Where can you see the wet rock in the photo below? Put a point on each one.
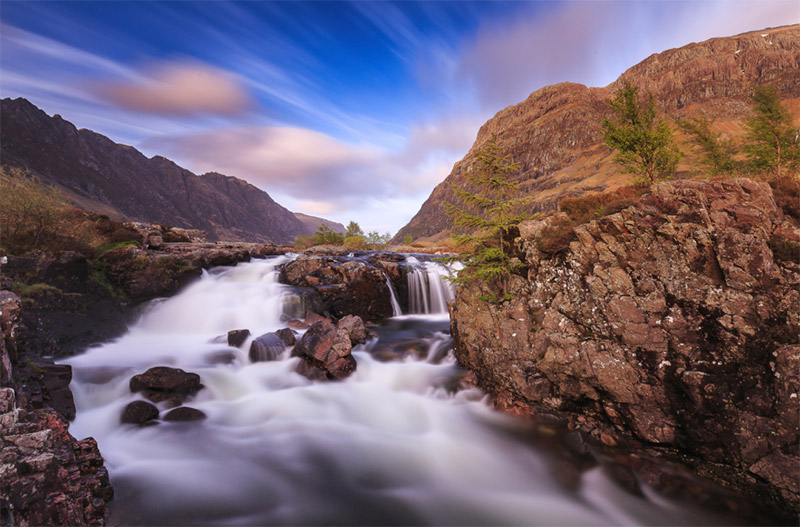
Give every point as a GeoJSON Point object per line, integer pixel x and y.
{"type": "Point", "coordinates": [301, 300]}
{"type": "Point", "coordinates": [162, 383]}
{"type": "Point", "coordinates": [221, 357]}
{"type": "Point", "coordinates": [325, 349]}
{"type": "Point", "coordinates": [668, 323]}
{"type": "Point", "coordinates": [54, 380]}
{"type": "Point", "coordinates": [287, 336]}
{"type": "Point", "coordinates": [138, 412]}
{"type": "Point", "coordinates": [267, 347]}
{"type": "Point", "coordinates": [346, 287]}
{"type": "Point", "coordinates": [355, 329]}
{"type": "Point", "coordinates": [185, 413]}
{"type": "Point", "coordinates": [236, 337]}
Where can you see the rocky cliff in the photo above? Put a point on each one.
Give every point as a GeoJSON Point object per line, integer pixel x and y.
{"type": "Point", "coordinates": [673, 324]}
{"type": "Point", "coordinates": [47, 477]}
{"type": "Point", "coordinates": [555, 134]}
{"type": "Point", "coordinates": [117, 180]}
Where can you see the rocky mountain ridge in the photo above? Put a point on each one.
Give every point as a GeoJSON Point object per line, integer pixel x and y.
{"type": "Point", "coordinates": [556, 137]}
{"type": "Point", "coordinates": [102, 176]}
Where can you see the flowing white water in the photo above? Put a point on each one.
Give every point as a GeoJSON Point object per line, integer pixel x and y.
{"type": "Point", "coordinates": [388, 446]}
{"type": "Point", "coordinates": [429, 291]}
{"type": "Point", "coordinates": [396, 309]}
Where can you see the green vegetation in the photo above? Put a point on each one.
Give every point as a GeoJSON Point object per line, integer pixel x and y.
{"type": "Point", "coordinates": [32, 214]}
{"type": "Point", "coordinates": [353, 229]}
{"type": "Point", "coordinates": [408, 239]}
{"type": "Point", "coordinates": [24, 290]}
{"type": "Point", "coordinates": [771, 143]}
{"type": "Point", "coordinates": [491, 207]}
{"type": "Point", "coordinates": [355, 243]}
{"type": "Point", "coordinates": [716, 154]}
{"type": "Point", "coordinates": [643, 141]}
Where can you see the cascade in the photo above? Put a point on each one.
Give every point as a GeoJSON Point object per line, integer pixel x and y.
{"type": "Point", "coordinates": [429, 289]}
{"type": "Point", "coordinates": [398, 442]}
{"type": "Point", "coordinates": [396, 310]}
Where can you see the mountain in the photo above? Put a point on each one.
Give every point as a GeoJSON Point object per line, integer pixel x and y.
{"type": "Point", "coordinates": [556, 137]}
{"type": "Point", "coordinates": [312, 223]}
{"type": "Point", "coordinates": [118, 180]}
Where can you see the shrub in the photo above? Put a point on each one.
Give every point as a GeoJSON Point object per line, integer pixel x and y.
{"type": "Point", "coordinates": [355, 243]}
{"type": "Point", "coordinates": [583, 209]}
{"type": "Point", "coordinates": [784, 250]}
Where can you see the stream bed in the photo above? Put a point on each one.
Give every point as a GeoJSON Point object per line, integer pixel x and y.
{"type": "Point", "coordinates": [400, 442]}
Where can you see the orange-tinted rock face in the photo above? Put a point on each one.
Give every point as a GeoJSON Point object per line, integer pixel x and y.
{"type": "Point", "coordinates": [556, 136]}
{"type": "Point", "coordinates": [671, 323]}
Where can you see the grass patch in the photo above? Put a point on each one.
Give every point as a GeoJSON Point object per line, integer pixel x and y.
{"type": "Point", "coordinates": [111, 246]}
{"type": "Point", "coordinates": [32, 291]}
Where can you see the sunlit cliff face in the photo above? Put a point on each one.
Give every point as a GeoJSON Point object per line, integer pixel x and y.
{"type": "Point", "coordinates": [366, 105]}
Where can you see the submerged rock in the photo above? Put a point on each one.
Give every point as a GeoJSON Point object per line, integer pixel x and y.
{"type": "Point", "coordinates": [162, 383]}
{"type": "Point", "coordinates": [325, 352]}
{"type": "Point", "coordinates": [138, 413]}
{"type": "Point", "coordinates": [669, 323]}
{"type": "Point", "coordinates": [185, 413]}
{"type": "Point", "coordinates": [267, 347]}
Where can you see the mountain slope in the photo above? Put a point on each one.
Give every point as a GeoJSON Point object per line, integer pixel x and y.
{"type": "Point", "coordinates": [556, 136]}
{"type": "Point", "coordinates": [312, 223]}
{"type": "Point", "coordinates": [103, 176]}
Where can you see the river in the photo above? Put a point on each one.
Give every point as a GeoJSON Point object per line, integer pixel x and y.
{"type": "Point", "coordinates": [397, 443]}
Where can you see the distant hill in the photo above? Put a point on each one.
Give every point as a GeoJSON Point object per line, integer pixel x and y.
{"type": "Point", "coordinates": [556, 137]}
{"type": "Point", "coordinates": [312, 223]}
{"type": "Point", "coordinates": [118, 180]}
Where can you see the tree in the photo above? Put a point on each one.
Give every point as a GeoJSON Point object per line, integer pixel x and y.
{"type": "Point", "coordinates": [716, 154]}
{"type": "Point", "coordinates": [29, 209]}
{"type": "Point", "coordinates": [643, 142]}
{"type": "Point", "coordinates": [491, 208]}
{"type": "Point", "coordinates": [326, 235]}
{"type": "Point", "coordinates": [771, 140]}
{"type": "Point", "coordinates": [353, 229]}
{"type": "Point", "coordinates": [376, 240]}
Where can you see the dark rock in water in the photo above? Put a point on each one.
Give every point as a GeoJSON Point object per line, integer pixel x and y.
{"type": "Point", "coordinates": [267, 347]}
{"type": "Point", "coordinates": [220, 357]}
{"type": "Point", "coordinates": [162, 383]}
{"type": "Point", "coordinates": [311, 318]}
{"type": "Point", "coordinates": [326, 348]}
{"type": "Point", "coordinates": [185, 413]}
{"type": "Point", "coordinates": [139, 412]}
{"type": "Point", "coordinates": [287, 336]}
{"type": "Point", "coordinates": [298, 324]}
{"type": "Point", "coordinates": [219, 339]}
{"type": "Point", "coordinates": [236, 337]}
{"type": "Point", "coordinates": [355, 328]}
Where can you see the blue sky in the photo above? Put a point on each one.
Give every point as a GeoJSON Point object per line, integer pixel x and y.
{"type": "Point", "coordinates": [348, 110]}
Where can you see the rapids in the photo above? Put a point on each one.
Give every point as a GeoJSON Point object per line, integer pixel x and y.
{"type": "Point", "coordinates": [395, 444]}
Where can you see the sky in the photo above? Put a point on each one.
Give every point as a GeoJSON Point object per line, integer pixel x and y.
{"type": "Point", "coordinates": [346, 110]}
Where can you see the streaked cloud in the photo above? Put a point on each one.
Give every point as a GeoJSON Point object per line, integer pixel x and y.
{"type": "Point", "coordinates": [179, 89]}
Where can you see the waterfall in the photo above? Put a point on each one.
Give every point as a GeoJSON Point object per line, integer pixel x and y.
{"type": "Point", "coordinates": [429, 289]}
{"type": "Point", "coordinates": [396, 310]}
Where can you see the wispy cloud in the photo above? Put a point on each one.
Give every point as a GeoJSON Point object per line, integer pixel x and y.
{"type": "Point", "coordinates": [179, 89]}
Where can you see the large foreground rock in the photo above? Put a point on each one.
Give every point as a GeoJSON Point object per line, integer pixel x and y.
{"type": "Point", "coordinates": [325, 352]}
{"type": "Point", "coordinates": [670, 323]}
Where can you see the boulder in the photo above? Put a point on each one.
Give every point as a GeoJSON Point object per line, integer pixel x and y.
{"type": "Point", "coordinates": [287, 336]}
{"type": "Point", "coordinates": [162, 383]}
{"type": "Point", "coordinates": [267, 347]}
{"type": "Point", "coordinates": [138, 413]}
{"type": "Point", "coordinates": [184, 413]}
{"type": "Point", "coordinates": [236, 337]}
{"type": "Point", "coordinates": [324, 349]}
{"type": "Point", "coordinates": [346, 287]}
{"type": "Point", "coordinates": [153, 240]}
{"type": "Point", "coordinates": [355, 329]}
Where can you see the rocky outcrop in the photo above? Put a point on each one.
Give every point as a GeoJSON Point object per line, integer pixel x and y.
{"type": "Point", "coordinates": [556, 137]}
{"type": "Point", "coordinates": [47, 477]}
{"type": "Point", "coordinates": [119, 181]}
{"type": "Point", "coordinates": [670, 324]}
{"type": "Point", "coordinates": [346, 287]}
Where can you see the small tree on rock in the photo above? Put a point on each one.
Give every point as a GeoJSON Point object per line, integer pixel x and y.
{"type": "Point", "coordinates": [491, 207]}
{"type": "Point", "coordinates": [772, 142]}
{"type": "Point", "coordinates": [353, 229]}
{"type": "Point", "coordinates": [643, 141]}
{"type": "Point", "coordinates": [716, 153]}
